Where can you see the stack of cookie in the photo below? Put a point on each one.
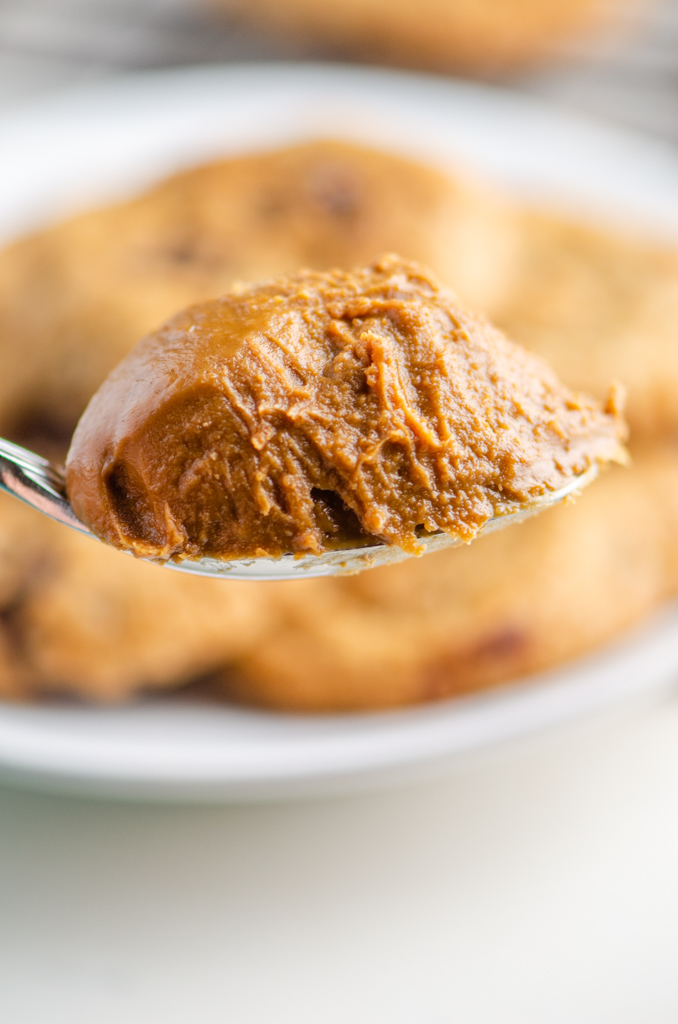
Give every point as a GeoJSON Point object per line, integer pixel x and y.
{"type": "Point", "coordinates": [77, 617]}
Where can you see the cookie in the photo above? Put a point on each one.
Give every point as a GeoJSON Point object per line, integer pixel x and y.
{"type": "Point", "coordinates": [472, 36]}
{"type": "Point", "coordinates": [97, 625]}
{"type": "Point", "coordinates": [598, 304]}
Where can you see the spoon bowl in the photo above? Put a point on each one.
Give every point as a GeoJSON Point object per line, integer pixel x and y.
{"type": "Point", "coordinates": [41, 484]}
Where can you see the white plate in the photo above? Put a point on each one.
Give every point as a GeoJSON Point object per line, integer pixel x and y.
{"type": "Point", "coordinates": [106, 141]}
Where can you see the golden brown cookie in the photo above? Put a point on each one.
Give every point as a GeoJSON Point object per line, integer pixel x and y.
{"type": "Point", "coordinates": [97, 624]}
{"type": "Point", "coordinates": [474, 36]}
{"type": "Point", "coordinates": [76, 297]}
{"type": "Point", "coordinates": [13, 685]}
{"type": "Point", "coordinates": [598, 304]}
{"type": "Point", "coordinates": [514, 603]}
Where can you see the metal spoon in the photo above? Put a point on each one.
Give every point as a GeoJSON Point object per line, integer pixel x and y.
{"type": "Point", "coordinates": [41, 484]}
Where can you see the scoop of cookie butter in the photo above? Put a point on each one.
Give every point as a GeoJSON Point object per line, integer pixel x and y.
{"type": "Point", "coordinates": [325, 410]}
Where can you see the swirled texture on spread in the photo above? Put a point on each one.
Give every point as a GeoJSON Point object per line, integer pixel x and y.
{"type": "Point", "coordinates": [323, 409]}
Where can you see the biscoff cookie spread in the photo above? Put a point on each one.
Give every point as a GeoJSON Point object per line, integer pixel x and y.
{"type": "Point", "coordinates": [324, 410]}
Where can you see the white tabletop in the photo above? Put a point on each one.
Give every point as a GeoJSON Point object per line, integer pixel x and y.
{"type": "Point", "coordinates": [539, 885]}
{"type": "Point", "coordinates": [536, 887]}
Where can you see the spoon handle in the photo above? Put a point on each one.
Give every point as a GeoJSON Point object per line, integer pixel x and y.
{"type": "Point", "coordinates": [37, 482]}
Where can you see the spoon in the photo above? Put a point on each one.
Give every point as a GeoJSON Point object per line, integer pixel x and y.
{"type": "Point", "coordinates": [41, 484]}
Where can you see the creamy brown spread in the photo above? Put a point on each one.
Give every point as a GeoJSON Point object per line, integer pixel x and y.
{"type": "Point", "coordinates": [322, 410]}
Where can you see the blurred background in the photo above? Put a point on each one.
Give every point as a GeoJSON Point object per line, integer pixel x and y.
{"type": "Point", "coordinates": [538, 886]}
{"type": "Point", "coordinates": [616, 58]}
